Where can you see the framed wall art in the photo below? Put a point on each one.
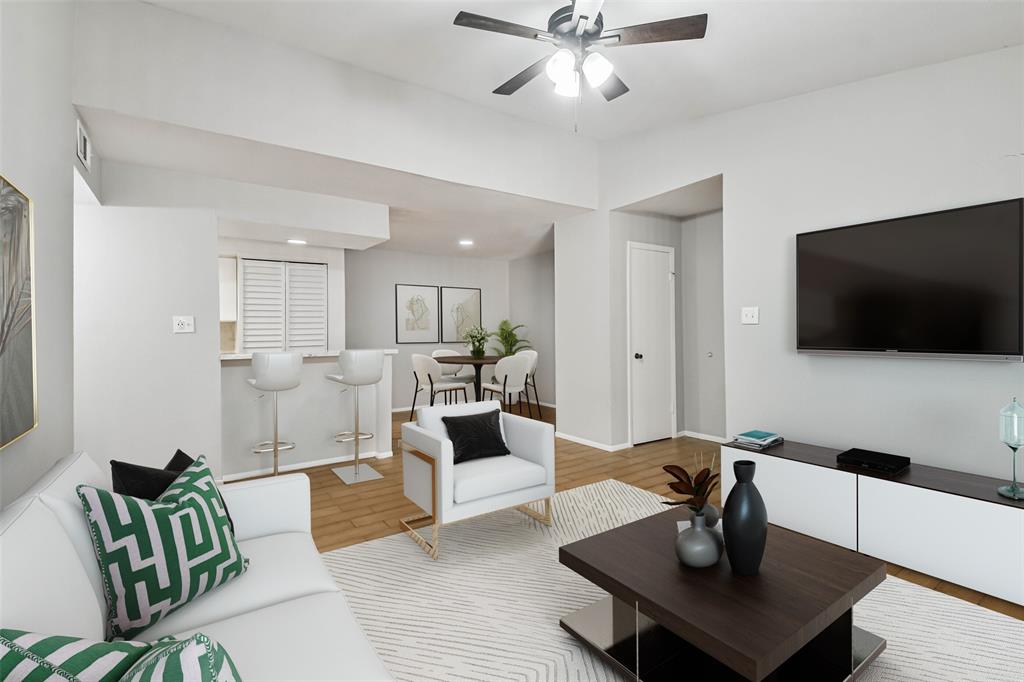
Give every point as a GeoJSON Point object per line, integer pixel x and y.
{"type": "Point", "coordinates": [19, 408]}
{"type": "Point", "coordinates": [416, 319]}
{"type": "Point", "coordinates": [460, 309]}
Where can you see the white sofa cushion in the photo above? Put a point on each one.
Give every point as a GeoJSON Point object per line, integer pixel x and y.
{"type": "Point", "coordinates": [281, 567]}
{"type": "Point", "coordinates": [43, 586]}
{"type": "Point", "coordinates": [56, 488]}
{"type": "Point", "coordinates": [491, 476]}
{"type": "Point", "coordinates": [312, 638]}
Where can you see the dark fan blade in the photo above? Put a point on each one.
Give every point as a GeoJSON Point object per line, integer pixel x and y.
{"type": "Point", "coordinates": [522, 78]}
{"type": "Point", "coordinates": [613, 87]}
{"type": "Point", "coordinates": [470, 20]}
{"type": "Point", "coordinates": [683, 28]}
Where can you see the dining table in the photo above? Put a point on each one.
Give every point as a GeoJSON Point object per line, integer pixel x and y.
{"type": "Point", "coordinates": [477, 363]}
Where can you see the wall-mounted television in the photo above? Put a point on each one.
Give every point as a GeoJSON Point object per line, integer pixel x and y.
{"type": "Point", "coordinates": [943, 284]}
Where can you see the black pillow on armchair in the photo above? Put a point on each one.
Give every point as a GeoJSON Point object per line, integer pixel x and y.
{"type": "Point", "coordinates": [148, 483]}
{"type": "Point", "coordinates": [475, 436]}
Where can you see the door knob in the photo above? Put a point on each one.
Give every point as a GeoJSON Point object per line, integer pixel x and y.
{"type": "Point", "coordinates": [638, 356]}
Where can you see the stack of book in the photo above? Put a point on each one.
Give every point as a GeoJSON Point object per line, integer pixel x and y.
{"type": "Point", "coordinates": [759, 440]}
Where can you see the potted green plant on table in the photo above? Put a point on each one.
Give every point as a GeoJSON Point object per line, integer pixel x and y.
{"type": "Point", "coordinates": [476, 338]}
{"type": "Point", "coordinates": [509, 339]}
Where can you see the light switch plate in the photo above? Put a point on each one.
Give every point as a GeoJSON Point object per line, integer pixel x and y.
{"type": "Point", "coordinates": [750, 315]}
{"type": "Point", "coordinates": [184, 324]}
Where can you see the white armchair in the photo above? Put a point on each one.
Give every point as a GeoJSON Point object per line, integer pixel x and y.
{"type": "Point", "coordinates": [447, 492]}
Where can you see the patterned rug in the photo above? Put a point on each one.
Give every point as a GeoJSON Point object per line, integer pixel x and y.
{"type": "Point", "coordinates": [488, 608]}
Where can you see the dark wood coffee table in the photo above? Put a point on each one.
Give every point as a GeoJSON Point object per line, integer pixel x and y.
{"type": "Point", "coordinates": [793, 621]}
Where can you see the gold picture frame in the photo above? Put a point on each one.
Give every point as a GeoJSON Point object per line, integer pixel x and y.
{"type": "Point", "coordinates": [19, 400]}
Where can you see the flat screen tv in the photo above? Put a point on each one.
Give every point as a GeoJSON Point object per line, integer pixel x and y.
{"type": "Point", "coordinates": [944, 284]}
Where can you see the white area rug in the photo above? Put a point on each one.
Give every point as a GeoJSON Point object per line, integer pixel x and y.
{"type": "Point", "coordinates": [488, 609]}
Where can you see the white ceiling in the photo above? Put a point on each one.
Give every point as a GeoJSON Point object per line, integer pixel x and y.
{"type": "Point", "coordinates": [755, 51]}
{"type": "Point", "coordinates": [699, 197]}
{"type": "Point", "coordinates": [427, 215]}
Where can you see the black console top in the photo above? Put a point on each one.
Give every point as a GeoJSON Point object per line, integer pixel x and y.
{"type": "Point", "coordinates": [919, 475]}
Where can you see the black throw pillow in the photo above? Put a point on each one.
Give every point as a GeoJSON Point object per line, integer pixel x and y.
{"type": "Point", "coordinates": [148, 483]}
{"type": "Point", "coordinates": [475, 436]}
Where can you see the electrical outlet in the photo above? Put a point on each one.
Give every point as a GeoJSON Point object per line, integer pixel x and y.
{"type": "Point", "coordinates": [184, 324]}
{"type": "Point", "coordinates": [750, 315]}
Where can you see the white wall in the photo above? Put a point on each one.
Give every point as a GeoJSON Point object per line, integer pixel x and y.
{"type": "Point", "coordinates": [141, 391]}
{"type": "Point", "coordinates": [152, 63]}
{"type": "Point", "coordinates": [939, 136]}
{"type": "Point", "coordinates": [582, 326]}
{"type": "Point", "coordinates": [334, 258]}
{"type": "Point", "coordinates": [700, 292]}
{"type": "Point", "coordinates": [370, 278]}
{"type": "Point", "coordinates": [531, 301]}
{"type": "Point", "coordinates": [37, 143]}
{"type": "Point", "coordinates": [261, 212]}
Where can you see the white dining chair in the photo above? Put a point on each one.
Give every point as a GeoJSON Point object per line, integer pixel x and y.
{"type": "Point", "coordinates": [531, 376]}
{"type": "Point", "coordinates": [509, 380]}
{"type": "Point", "coordinates": [426, 372]}
{"type": "Point", "coordinates": [452, 372]}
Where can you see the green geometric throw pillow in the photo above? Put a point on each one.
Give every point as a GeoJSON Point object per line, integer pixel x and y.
{"type": "Point", "coordinates": [25, 657]}
{"type": "Point", "coordinates": [196, 659]}
{"type": "Point", "coordinates": [157, 556]}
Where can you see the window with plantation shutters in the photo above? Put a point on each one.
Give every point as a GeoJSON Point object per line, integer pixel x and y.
{"type": "Point", "coordinates": [284, 306]}
{"type": "Point", "coordinates": [306, 306]}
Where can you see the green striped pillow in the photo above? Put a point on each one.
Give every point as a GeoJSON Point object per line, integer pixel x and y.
{"type": "Point", "coordinates": [196, 659]}
{"type": "Point", "coordinates": [156, 557]}
{"type": "Point", "coordinates": [25, 656]}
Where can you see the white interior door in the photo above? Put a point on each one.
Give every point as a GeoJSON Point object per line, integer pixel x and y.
{"type": "Point", "coordinates": [651, 347]}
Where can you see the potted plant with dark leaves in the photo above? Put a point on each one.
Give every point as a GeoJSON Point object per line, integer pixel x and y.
{"type": "Point", "coordinates": [700, 545]}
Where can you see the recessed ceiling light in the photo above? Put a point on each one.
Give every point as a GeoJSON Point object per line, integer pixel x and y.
{"type": "Point", "coordinates": [297, 242]}
{"type": "Point", "coordinates": [465, 242]}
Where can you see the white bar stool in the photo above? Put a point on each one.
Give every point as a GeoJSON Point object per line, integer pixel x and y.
{"type": "Point", "coordinates": [358, 368]}
{"type": "Point", "coordinates": [275, 372]}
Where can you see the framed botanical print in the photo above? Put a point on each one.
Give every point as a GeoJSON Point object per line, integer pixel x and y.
{"type": "Point", "coordinates": [460, 310]}
{"type": "Point", "coordinates": [416, 318]}
{"type": "Point", "coordinates": [19, 410]}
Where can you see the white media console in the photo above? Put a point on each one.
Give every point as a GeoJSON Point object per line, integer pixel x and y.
{"type": "Point", "coordinates": [947, 524]}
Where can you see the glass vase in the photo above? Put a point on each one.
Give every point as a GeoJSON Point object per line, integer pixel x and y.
{"type": "Point", "coordinates": [1011, 432]}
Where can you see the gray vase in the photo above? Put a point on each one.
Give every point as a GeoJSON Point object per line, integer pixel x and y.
{"type": "Point", "coordinates": [699, 546]}
{"type": "Point", "coordinates": [711, 515]}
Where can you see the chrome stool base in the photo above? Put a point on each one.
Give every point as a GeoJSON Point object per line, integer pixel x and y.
{"type": "Point", "coordinates": [351, 476]}
{"type": "Point", "coordinates": [349, 436]}
{"type": "Point", "coordinates": [268, 446]}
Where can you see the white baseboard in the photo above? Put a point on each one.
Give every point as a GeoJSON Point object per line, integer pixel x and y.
{"type": "Point", "coordinates": [298, 466]}
{"type": "Point", "coordinates": [591, 443]}
{"type": "Point", "coordinates": [703, 436]}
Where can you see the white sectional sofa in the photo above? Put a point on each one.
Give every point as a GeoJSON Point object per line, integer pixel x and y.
{"type": "Point", "coordinates": [284, 619]}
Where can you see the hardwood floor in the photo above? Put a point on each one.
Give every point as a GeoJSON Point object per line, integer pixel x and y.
{"type": "Point", "coordinates": [345, 515]}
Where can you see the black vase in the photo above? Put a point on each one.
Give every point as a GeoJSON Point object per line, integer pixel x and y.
{"type": "Point", "coordinates": [744, 522]}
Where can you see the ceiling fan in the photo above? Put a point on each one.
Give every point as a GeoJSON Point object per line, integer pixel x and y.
{"type": "Point", "coordinates": [576, 30]}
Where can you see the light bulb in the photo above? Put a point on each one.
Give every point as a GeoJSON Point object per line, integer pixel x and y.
{"type": "Point", "coordinates": [560, 66]}
{"type": "Point", "coordinates": [569, 87]}
{"type": "Point", "coordinates": [597, 69]}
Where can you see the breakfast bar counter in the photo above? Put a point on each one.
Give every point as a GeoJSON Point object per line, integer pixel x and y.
{"type": "Point", "coordinates": [309, 415]}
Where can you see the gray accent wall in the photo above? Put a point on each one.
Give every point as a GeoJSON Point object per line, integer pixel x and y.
{"type": "Point", "coordinates": [37, 149]}
{"type": "Point", "coordinates": [370, 278]}
{"type": "Point", "coordinates": [702, 350]}
{"type": "Point", "coordinates": [531, 301]}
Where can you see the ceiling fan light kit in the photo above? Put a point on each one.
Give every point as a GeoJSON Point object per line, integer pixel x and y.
{"type": "Point", "coordinates": [575, 33]}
